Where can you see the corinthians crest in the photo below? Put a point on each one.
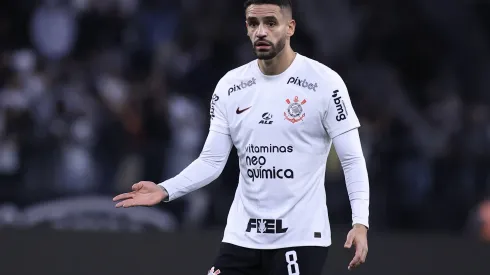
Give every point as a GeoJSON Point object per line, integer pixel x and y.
{"type": "Point", "coordinates": [294, 113]}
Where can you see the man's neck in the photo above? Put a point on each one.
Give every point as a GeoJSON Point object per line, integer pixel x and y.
{"type": "Point", "coordinates": [278, 64]}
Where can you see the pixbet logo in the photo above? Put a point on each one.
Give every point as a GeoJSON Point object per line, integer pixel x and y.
{"type": "Point", "coordinates": [266, 226]}
{"type": "Point", "coordinates": [340, 106]}
{"type": "Point", "coordinates": [302, 83]}
{"type": "Point", "coordinates": [242, 86]}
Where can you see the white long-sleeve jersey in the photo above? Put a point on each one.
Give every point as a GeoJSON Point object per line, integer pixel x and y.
{"type": "Point", "coordinates": [283, 127]}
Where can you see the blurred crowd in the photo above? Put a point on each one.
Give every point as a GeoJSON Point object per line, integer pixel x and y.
{"type": "Point", "coordinates": [98, 94]}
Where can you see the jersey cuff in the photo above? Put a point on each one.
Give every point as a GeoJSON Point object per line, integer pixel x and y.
{"type": "Point", "coordinates": [165, 190]}
{"type": "Point", "coordinates": [170, 191]}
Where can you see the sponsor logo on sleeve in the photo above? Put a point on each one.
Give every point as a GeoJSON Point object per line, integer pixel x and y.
{"type": "Point", "coordinates": [214, 99]}
{"type": "Point", "coordinates": [340, 106]}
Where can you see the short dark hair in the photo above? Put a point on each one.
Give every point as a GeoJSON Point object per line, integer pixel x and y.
{"type": "Point", "coordinates": [281, 3]}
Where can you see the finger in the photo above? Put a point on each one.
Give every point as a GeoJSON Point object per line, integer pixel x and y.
{"type": "Point", "coordinates": [348, 242]}
{"type": "Point", "coordinates": [137, 186]}
{"type": "Point", "coordinates": [120, 204]}
{"type": "Point", "coordinates": [359, 250]}
{"type": "Point", "coordinates": [355, 261]}
{"type": "Point", "coordinates": [364, 254]}
{"type": "Point", "coordinates": [359, 258]}
{"type": "Point", "coordinates": [123, 196]}
{"type": "Point", "coordinates": [126, 203]}
{"type": "Point", "coordinates": [353, 266]}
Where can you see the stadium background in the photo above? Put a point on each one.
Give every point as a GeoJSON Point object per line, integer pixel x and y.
{"type": "Point", "coordinates": [98, 94]}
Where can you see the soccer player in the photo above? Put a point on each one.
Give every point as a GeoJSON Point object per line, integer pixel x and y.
{"type": "Point", "coordinates": [282, 112]}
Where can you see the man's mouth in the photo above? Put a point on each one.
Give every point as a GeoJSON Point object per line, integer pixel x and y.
{"type": "Point", "coordinates": [262, 45]}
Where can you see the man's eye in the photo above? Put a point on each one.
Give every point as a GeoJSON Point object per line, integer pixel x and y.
{"type": "Point", "coordinates": [271, 24]}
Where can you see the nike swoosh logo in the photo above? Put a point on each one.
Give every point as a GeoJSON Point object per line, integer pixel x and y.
{"type": "Point", "coordinates": [238, 111]}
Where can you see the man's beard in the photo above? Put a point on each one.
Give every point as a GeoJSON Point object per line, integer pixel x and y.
{"type": "Point", "coordinates": [272, 52]}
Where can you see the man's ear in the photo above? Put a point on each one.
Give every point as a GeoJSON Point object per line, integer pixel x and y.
{"type": "Point", "coordinates": [291, 27]}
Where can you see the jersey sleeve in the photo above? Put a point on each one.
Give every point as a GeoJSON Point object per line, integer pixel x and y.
{"type": "Point", "coordinates": [217, 111]}
{"type": "Point", "coordinates": [349, 150]}
{"type": "Point", "coordinates": [339, 114]}
{"type": "Point", "coordinates": [202, 171]}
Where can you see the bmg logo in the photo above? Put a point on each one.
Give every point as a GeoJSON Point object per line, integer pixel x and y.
{"type": "Point", "coordinates": [340, 106]}
{"type": "Point", "coordinates": [266, 226]}
{"type": "Point", "coordinates": [213, 105]}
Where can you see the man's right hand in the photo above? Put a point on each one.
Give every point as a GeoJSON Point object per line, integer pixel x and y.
{"type": "Point", "coordinates": [145, 193]}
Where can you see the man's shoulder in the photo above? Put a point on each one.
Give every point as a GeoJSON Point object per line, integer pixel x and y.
{"type": "Point", "coordinates": [318, 77]}
{"type": "Point", "coordinates": [239, 73]}
{"type": "Point", "coordinates": [320, 70]}
{"type": "Point", "coordinates": [243, 75]}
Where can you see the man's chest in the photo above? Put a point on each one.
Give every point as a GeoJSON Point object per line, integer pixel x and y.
{"type": "Point", "coordinates": [275, 111]}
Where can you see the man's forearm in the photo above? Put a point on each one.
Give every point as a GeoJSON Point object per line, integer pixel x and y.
{"type": "Point", "coordinates": [203, 170]}
{"type": "Point", "coordinates": [349, 149]}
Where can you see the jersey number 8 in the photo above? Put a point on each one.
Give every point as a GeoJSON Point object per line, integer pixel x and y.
{"type": "Point", "coordinates": [292, 260]}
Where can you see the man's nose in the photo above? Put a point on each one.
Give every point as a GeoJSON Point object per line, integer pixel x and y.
{"type": "Point", "coordinates": [261, 32]}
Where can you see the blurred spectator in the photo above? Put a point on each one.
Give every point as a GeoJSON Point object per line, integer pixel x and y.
{"type": "Point", "coordinates": [484, 212]}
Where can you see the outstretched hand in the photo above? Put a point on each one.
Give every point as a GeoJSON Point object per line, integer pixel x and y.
{"type": "Point", "coordinates": [358, 237]}
{"type": "Point", "coordinates": [145, 193]}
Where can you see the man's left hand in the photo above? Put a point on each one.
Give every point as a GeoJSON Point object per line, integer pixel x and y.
{"type": "Point", "coordinates": [358, 237]}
